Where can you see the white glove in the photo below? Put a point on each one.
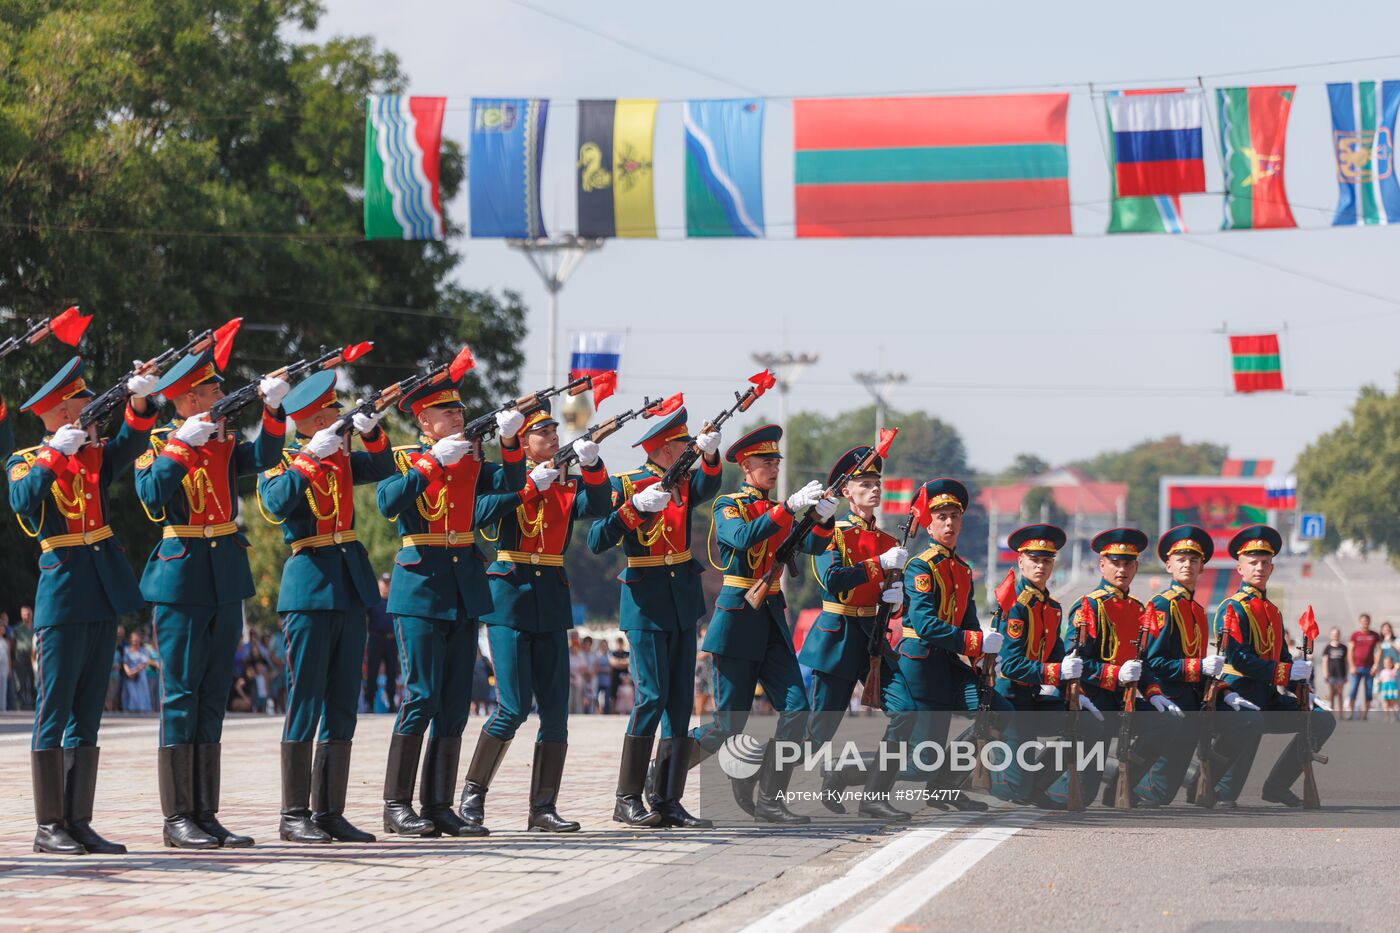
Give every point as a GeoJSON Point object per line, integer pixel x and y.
{"type": "Point", "coordinates": [1301, 670]}
{"type": "Point", "coordinates": [67, 439]}
{"type": "Point", "coordinates": [141, 386]}
{"type": "Point", "coordinates": [708, 442]}
{"type": "Point", "coordinates": [196, 431]}
{"type": "Point", "coordinates": [324, 443]}
{"type": "Point", "coordinates": [1046, 690]}
{"type": "Point", "coordinates": [991, 642]}
{"type": "Point", "coordinates": [824, 509]}
{"type": "Point", "coordinates": [1212, 665]}
{"type": "Point", "coordinates": [894, 595]}
{"type": "Point", "coordinates": [1088, 706]}
{"type": "Point", "coordinates": [365, 424]}
{"type": "Point", "coordinates": [806, 496]}
{"type": "Point", "coordinates": [651, 499]}
{"type": "Point", "coordinates": [587, 451]}
{"type": "Point", "coordinates": [508, 423]}
{"type": "Point", "coordinates": [1072, 667]}
{"type": "Point", "coordinates": [273, 390]}
{"type": "Point", "coordinates": [1162, 705]}
{"type": "Point", "coordinates": [1130, 672]}
{"type": "Point", "coordinates": [451, 449]}
{"type": "Point", "coordinates": [1237, 702]}
{"type": "Point", "coordinates": [894, 558]}
{"type": "Point", "coordinates": [543, 476]}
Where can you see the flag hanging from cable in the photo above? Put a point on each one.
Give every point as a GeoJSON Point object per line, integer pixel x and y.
{"type": "Point", "coordinates": [724, 168]}
{"type": "Point", "coordinates": [1157, 143]}
{"type": "Point", "coordinates": [595, 352]}
{"type": "Point", "coordinates": [403, 155]}
{"type": "Point", "coordinates": [614, 168]}
{"type": "Point", "coordinates": [1253, 126]}
{"type": "Point", "coordinates": [1233, 467]}
{"type": "Point", "coordinates": [1254, 363]}
{"type": "Point", "coordinates": [1158, 214]}
{"type": "Point", "coordinates": [1363, 143]}
{"type": "Point", "coordinates": [507, 145]}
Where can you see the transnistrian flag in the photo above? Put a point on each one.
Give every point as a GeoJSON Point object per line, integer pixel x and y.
{"type": "Point", "coordinates": [1363, 142]}
{"type": "Point", "coordinates": [403, 152]}
{"type": "Point", "coordinates": [595, 352]}
{"type": "Point", "coordinates": [1232, 467]}
{"type": "Point", "coordinates": [507, 144]}
{"type": "Point", "coordinates": [1253, 124]}
{"type": "Point", "coordinates": [1157, 143]}
{"type": "Point", "coordinates": [724, 168]}
{"type": "Point", "coordinates": [1254, 360]}
{"type": "Point", "coordinates": [896, 493]}
{"type": "Point", "coordinates": [1159, 214]}
{"type": "Point", "coordinates": [932, 166]}
{"type": "Point", "coordinates": [614, 168]}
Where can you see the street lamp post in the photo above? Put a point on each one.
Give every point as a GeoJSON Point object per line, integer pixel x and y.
{"type": "Point", "coordinates": [555, 260]}
{"type": "Point", "coordinates": [881, 387]}
{"type": "Point", "coordinates": [786, 367]}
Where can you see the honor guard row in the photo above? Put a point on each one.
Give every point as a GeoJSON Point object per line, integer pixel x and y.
{"type": "Point", "coordinates": [906, 626]}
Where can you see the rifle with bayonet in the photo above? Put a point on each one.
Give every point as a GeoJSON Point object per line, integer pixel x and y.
{"type": "Point", "coordinates": [232, 404]}
{"type": "Point", "coordinates": [67, 327]}
{"type": "Point", "coordinates": [600, 431]}
{"type": "Point", "coordinates": [450, 373]}
{"type": "Point", "coordinates": [1205, 745]}
{"type": "Point", "coordinates": [1302, 689]}
{"type": "Point", "coordinates": [1123, 791]}
{"type": "Point", "coordinates": [875, 648]}
{"type": "Point", "coordinates": [678, 471]}
{"type": "Point", "coordinates": [1074, 791]}
{"type": "Point", "coordinates": [986, 686]}
{"type": "Point", "coordinates": [483, 426]}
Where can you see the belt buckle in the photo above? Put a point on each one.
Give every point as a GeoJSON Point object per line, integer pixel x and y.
{"type": "Point", "coordinates": [668, 559]}
{"type": "Point", "coordinates": [337, 537]}
{"type": "Point", "coordinates": [87, 537]}
{"type": "Point", "coordinates": [534, 558]}
{"type": "Point", "coordinates": [208, 531]}
{"type": "Point", "coordinates": [452, 537]}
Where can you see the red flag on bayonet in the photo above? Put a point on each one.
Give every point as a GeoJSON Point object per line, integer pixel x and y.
{"type": "Point", "coordinates": [919, 507]}
{"type": "Point", "coordinates": [1232, 624]}
{"type": "Point", "coordinates": [353, 352]}
{"type": "Point", "coordinates": [666, 406]}
{"type": "Point", "coordinates": [68, 327]}
{"type": "Point", "coordinates": [1150, 620]}
{"type": "Point", "coordinates": [603, 385]}
{"type": "Point", "coordinates": [1308, 623]}
{"type": "Point", "coordinates": [763, 382]}
{"type": "Point", "coordinates": [1006, 592]}
{"type": "Point", "coordinates": [1088, 617]}
{"type": "Point", "coordinates": [223, 341]}
{"type": "Point", "coordinates": [460, 364]}
{"type": "Point", "coordinates": [882, 447]}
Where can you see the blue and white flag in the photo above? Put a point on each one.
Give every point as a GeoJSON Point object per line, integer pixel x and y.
{"type": "Point", "coordinates": [1363, 143]}
{"type": "Point", "coordinates": [503, 170]}
{"type": "Point", "coordinates": [595, 352]}
{"type": "Point", "coordinates": [724, 168]}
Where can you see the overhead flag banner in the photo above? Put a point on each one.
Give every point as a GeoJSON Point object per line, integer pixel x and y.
{"type": "Point", "coordinates": [1255, 364]}
{"type": "Point", "coordinates": [1159, 214]}
{"type": "Point", "coordinates": [1253, 125]}
{"type": "Point", "coordinates": [403, 154]}
{"type": "Point", "coordinates": [896, 495]}
{"type": "Point", "coordinates": [1363, 143]}
{"type": "Point", "coordinates": [1157, 143]}
{"type": "Point", "coordinates": [595, 352]}
{"type": "Point", "coordinates": [724, 168]}
{"type": "Point", "coordinates": [614, 168]}
{"type": "Point", "coordinates": [932, 166]}
{"type": "Point", "coordinates": [507, 144]}
{"type": "Point", "coordinates": [1233, 467]}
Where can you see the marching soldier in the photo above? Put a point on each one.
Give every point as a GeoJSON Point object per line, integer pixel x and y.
{"type": "Point", "coordinates": [529, 627]}
{"type": "Point", "coordinates": [1113, 672]}
{"type": "Point", "coordinates": [1034, 667]}
{"type": "Point", "coordinates": [754, 646]}
{"type": "Point", "coordinates": [327, 583]}
{"type": "Point", "coordinates": [940, 623]}
{"type": "Point", "coordinates": [441, 492]}
{"type": "Point", "coordinates": [852, 575]}
{"type": "Point", "coordinates": [1259, 667]}
{"type": "Point", "coordinates": [1179, 656]}
{"type": "Point", "coordinates": [661, 603]}
{"type": "Point", "coordinates": [58, 492]}
{"type": "Point", "coordinates": [197, 579]}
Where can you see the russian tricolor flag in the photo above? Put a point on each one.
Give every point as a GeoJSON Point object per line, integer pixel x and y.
{"type": "Point", "coordinates": [595, 352]}
{"type": "Point", "coordinates": [1157, 143]}
{"type": "Point", "coordinates": [1282, 492]}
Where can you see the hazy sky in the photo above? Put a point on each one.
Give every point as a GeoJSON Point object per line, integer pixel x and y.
{"type": "Point", "coordinates": [1062, 346]}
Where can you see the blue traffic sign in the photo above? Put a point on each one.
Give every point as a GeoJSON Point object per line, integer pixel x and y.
{"type": "Point", "coordinates": [1312, 526]}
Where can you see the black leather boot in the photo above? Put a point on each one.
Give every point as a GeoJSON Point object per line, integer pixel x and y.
{"type": "Point", "coordinates": [657, 769]}
{"type": "Point", "coordinates": [175, 765]}
{"type": "Point", "coordinates": [79, 790]}
{"type": "Point", "coordinates": [296, 824]}
{"type": "Point", "coordinates": [875, 795]}
{"type": "Point", "coordinates": [631, 775]}
{"type": "Point", "coordinates": [207, 778]}
{"type": "Point", "coordinates": [399, 775]}
{"type": "Point", "coordinates": [437, 787]}
{"type": "Point", "coordinates": [330, 777]}
{"type": "Point", "coordinates": [545, 776]}
{"type": "Point", "coordinates": [684, 754]}
{"type": "Point", "coordinates": [46, 773]}
{"type": "Point", "coordinates": [486, 761]}
{"type": "Point", "coordinates": [768, 805]}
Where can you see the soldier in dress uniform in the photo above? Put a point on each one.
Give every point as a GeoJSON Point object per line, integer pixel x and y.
{"type": "Point", "coordinates": [940, 624]}
{"type": "Point", "coordinates": [529, 627]}
{"type": "Point", "coordinates": [197, 579]}
{"type": "Point", "coordinates": [1180, 657]}
{"type": "Point", "coordinates": [58, 492]}
{"type": "Point", "coordinates": [852, 575]}
{"type": "Point", "coordinates": [661, 603]}
{"type": "Point", "coordinates": [754, 646]}
{"type": "Point", "coordinates": [1260, 668]}
{"type": "Point", "coordinates": [1113, 672]}
{"type": "Point", "coordinates": [442, 492]}
{"type": "Point", "coordinates": [327, 583]}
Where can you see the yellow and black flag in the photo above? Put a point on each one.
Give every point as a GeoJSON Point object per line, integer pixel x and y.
{"type": "Point", "coordinates": [614, 168]}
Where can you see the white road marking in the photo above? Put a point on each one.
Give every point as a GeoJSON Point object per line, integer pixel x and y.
{"type": "Point", "coordinates": [913, 894]}
{"type": "Point", "coordinates": [870, 870]}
